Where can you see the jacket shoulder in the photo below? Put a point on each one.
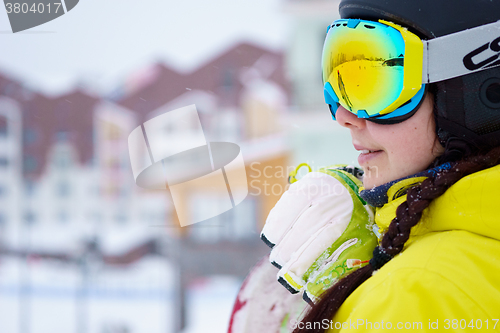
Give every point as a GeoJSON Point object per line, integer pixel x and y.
{"type": "Point", "coordinates": [445, 275]}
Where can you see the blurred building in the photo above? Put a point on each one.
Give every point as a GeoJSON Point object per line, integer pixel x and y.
{"type": "Point", "coordinates": [241, 97]}
{"type": "Point", "coordinates": [10, 165]}
{"type": "Point", "coordinates": [71, 212]}
{"type": "Point", "coordinates": [310, 19]}
{"type": "Point", "coordinates": [75, 172]}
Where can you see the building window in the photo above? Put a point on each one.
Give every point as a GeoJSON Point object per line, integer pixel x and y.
{"type": "Point", "coordinates": [228, 77]}
{"type": "Point", "coordinates": [3, 191]}
{"type": "Point", "coordinates": [121, 218]}
{"type": "Point", "coordinates": [63, 189]}
{"type": "Point", "coordinates": [29, 136]}
{"type": "Point", "coordinates": [238, 223]}
{"type": "Point", "coordinates": [29, 218]}
{"type": "Point", "coordinates": [29, 187]}
{"type": "Point", "coordinates": [3, 126]}
{"type": "Point", "coordinates": [62, 136]}
{"type": "Point", "coordinates": [63, 160]}
{"type": "Point", "coordinates": [29, 163]}
{"type": "Point", "coordinates": [4, 162]}
{"type": "Point", "coordinates": [112, 132]}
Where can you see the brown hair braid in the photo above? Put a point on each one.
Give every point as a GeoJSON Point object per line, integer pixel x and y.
{"type": "Point", "coordinates": [407, 216]}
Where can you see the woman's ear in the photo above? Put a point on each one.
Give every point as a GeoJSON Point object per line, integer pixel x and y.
{"type": "Point", "coordinates": [437, 148]}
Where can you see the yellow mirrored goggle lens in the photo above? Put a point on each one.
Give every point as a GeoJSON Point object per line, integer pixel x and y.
{"type": "Point", "coordinates": [365, 63]}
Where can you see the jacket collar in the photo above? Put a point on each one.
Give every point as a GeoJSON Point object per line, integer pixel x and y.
{"type": "Point", "coordinates": [470, 205]}
{"type": "Point", "coordinates": [381, 195]}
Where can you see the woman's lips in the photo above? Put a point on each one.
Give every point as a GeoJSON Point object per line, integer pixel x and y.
{"type": "Point", "coordinates": [367, 155]}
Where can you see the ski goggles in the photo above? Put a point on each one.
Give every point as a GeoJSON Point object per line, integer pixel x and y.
{"type": "Point", "coordinates": [373, 69]}
{"type": "Point", "coordinates": [380, 70]}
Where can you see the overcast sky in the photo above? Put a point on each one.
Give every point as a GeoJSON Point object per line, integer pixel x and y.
{"type": "Point", "coordinates": [102, 41]}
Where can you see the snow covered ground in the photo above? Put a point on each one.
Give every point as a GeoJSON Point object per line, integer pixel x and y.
{"type": "Point", "coordinates": [210, 304]}
{"type": "Point", "coordinates": [47, 297]}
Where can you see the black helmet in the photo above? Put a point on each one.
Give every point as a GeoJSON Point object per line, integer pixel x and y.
{"type": "Point", "coordinates": [468, 107]}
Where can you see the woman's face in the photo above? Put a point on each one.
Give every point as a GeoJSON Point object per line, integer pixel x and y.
{"type": "Point", "coordinates": [397, 150]}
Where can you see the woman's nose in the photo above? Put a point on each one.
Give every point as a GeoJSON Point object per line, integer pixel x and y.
{"type": "Point", "coordinates": [349, 119]}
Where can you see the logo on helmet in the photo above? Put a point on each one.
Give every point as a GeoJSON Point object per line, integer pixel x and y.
{"type": "Point", "coordinates": [494, 46]}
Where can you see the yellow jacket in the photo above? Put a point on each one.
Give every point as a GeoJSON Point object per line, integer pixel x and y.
{"type": "Point", "coordinates": [448, 276]}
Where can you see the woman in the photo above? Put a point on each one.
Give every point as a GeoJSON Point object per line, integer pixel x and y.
{"type": "Point", "coordinates": [430, 159]}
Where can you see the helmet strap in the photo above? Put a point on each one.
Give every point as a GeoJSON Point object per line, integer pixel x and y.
{"type": "Point", "coordinates": [461, 53]}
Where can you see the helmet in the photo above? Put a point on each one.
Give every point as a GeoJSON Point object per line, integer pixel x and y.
{"type": "Point", "coordinates": [467, 107]}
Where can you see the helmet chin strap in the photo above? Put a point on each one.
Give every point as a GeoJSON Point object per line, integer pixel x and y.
{"type": "Point", "coordinates": [465, 124]}
{"type": "Point", "coordinates": [461, 53]}
{"type": "Point", "coordinates": [455, 148]}
{"type": "Point", "coordinates": [460, 142]}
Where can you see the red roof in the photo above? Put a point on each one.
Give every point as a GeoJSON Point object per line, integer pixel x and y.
{"type": "Point", "coordinates": [70, 116]}
{"type": "Point", "coordinates": [219, 76]}
{"type": "Point", "coordinates": [46, 120]}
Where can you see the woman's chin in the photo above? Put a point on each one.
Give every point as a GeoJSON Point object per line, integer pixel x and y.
{"type": "Point", "coordinates": [369, 184]}
{"type": "Point", "coordinates": [373, 179]}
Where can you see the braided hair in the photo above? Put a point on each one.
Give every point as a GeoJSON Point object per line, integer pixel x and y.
{"type": "Point", "coordinates": [408, 214]}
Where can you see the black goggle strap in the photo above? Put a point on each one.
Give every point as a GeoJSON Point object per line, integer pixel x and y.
{"type": "Point", "coordinates": [461, 53]}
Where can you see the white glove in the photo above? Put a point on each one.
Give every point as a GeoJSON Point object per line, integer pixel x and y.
{"type": "Point", "coordinates": [315, 224]}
